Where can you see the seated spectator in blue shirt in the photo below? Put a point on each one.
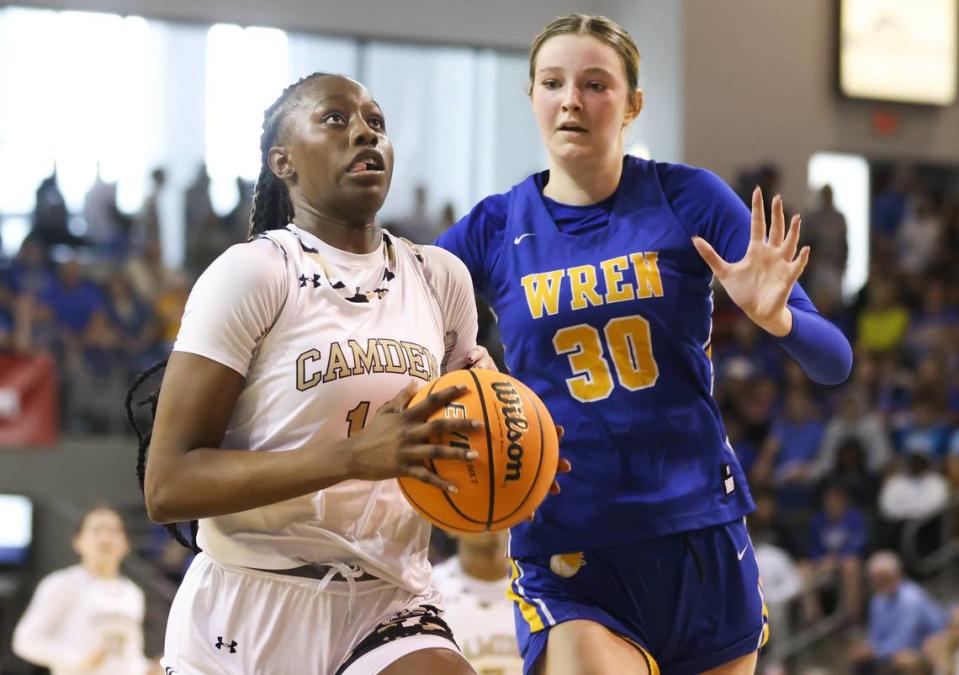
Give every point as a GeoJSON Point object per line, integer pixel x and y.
{"type": "Point", "coordinates": [73, 300]}
{"type": "Point", "coordinates": [838, 536]}
{"type": "Point", "coordinates": [926, 433]}
{"type": "Point", "coordinates": [789, 453]}
{"type": "Point", "coordinates": [902, 616]}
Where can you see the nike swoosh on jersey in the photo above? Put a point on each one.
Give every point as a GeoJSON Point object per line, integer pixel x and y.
{"type": "Point", "coordinates": [520, 237]}
{"type": "Point", "coordinates": [743, 552]}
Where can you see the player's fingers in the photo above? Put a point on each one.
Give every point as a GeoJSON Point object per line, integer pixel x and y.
{"type": "Point", "coordinates": [435, 401]}
{"type": "Point", "coordinates": [757, 224]}
{"type": "Point", "coordinates": [554, 489]}
{"type": "Point", "coordinates": [710, 257]}
{"type": "Point", "coordinates": [421, 473]}
{"type": "Point", "coordinates": [564, 466]}
{"type": "Point", "coordinates": [799, 265]}
{"type": "Point", "coordinates": [418, 453]}
{"type": "Point", "coordinates": [778, 227]}
{"type": "Point", "coordinates": [560, 431]}
{"type": "Point", "coordinates": [479, 358]}
{"type": "Point", "coordinates": [400, 401]}
{"type": "Point", "coordinates": [440, 427]}
{"type": "Point", "coordinates": [792, 238]}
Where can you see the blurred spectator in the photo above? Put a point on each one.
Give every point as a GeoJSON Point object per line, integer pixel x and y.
{"type": "Point", "coordinates": [73, 299]}
{"type": "Point", "coordinates": [107, 227]}
{"type": "Point", "coordinates": [50, 216]}
{"type": "Point", "coordinates": [97, 366]}
{"type": "Point", "coordinates": [933, 328]}
{"type": "Point", "coordinates": [838, 536]}
{"type": "Point", "coordinates": [824, 230]}
{"type": "Point", "coordinates": [147, 272]}
{"type": "Point", "coordinates": [884, 321]}
{"type": "Point", "coordinates": [148, 223]}
{"type": "Point", "coordinates": [204, 238]}
{"type": "Point", "coordinates": [919, 236]}
{"type": "Point", "coordinates": [419, 227]}
{"type": "Point", "coordinates": [902, 617]}
{"type": "Point", "coordinates": [915, 491]}
{"type": "Point", "coordinates": [855, 420]}
{"type": "Point", "coordinates": [135, 322]}
{"type": "Point", "coordinates": [169, 306]}
{"type": "Point", "coordinates": [472, 583]}
{"type": "Point", "coordinates": [766, 526]}
{"type": "Point", "coordinates": [88, 619]}
{"type": "Point", "coordinates": [788, 455]}
{"type": "Point", "coordinates": [238, 220]}
{"type": "Point", "coordinates": [30, 272]}
{"type": "Point", "coordinates": [925, 434]}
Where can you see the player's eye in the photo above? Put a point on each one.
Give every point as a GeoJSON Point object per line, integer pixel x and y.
{"type": "Point", "coordinates": [378, 123]}
{"type": "Point", "coordinates": [335, 118]}
{"type": "Point", "coordinates": [550, 84]}
{"type": "Point", "coordinates": [595, 85]}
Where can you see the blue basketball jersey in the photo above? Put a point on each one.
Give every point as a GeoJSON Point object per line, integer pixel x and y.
{"type": "Point", "coordinates": [611, 328]}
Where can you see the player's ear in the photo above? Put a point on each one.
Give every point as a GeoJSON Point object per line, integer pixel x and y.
{"type": "Point", "coordinates": [281, 164]}
{"type": "Point", "coordinates": [633, 107]}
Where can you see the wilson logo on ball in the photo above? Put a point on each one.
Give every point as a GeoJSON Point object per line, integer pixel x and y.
{"type": "Point", "coordinates": [516, 425]}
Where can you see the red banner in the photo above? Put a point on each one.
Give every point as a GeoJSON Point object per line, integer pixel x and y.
{"type": "Point", "coordinates": [28, 401]}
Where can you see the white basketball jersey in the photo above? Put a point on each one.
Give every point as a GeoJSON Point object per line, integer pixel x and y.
{"type": "Point", "coordinates": [320, 358]}
{"type": "Point", "coordinates": [481, 619]}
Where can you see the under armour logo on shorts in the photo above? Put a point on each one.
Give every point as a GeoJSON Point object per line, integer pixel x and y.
{"type": "Point", "coordinates": [220, 644]}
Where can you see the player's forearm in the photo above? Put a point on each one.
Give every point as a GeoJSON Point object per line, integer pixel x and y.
{"type": "Point", "coordinates": [818, 346]}
{"type": "Point", "coordinates": [210, 481]}
{"type": "Point", "coordinates": [41, 651]}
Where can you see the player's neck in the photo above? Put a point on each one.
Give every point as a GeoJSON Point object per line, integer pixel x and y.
{"type": "Point", "coordinates": [337, 232]}
{"type": "Point", "coordinates": [484, 568]}
{"type": "Point", "coordinates": [582, 183]}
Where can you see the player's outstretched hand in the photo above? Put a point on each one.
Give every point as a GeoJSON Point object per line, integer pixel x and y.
{"type": "Point", "coordinates": [396, 440]}
{"type": "Point", "coordinates": [760, 283]}
{"type": "Point", "coordinates": [479, 358]}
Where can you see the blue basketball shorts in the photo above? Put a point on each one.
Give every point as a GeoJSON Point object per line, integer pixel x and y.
{"type": "Point", "coordinates": [689, 601]}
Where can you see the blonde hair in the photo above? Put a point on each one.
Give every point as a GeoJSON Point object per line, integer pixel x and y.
{"type": "Point", "coordinates": [603, 29]}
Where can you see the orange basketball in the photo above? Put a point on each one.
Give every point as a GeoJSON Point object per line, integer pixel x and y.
{"type": "Point", "coordinates": [518, 453]}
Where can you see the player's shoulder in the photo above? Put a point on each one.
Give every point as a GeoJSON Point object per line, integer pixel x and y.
{"type": "Point", "coordinates": [486, 219]}
{"type": "Point", "coordinates": [260, 260]}
{"type": "Point", "coordinates": [439, 260]}
{"type": "Point", "coordinates": [677, 177]}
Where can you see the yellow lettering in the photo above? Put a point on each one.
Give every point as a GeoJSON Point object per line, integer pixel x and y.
{"type": "Point", "coordinates": [648, 281]}
{"type": "Point", "coordinates": [583, 283]}
{"type": "Point", "coordinates": [416, 356]}
{"type": "Point", "coordinates": [302, 381]}
{"type": "Point", "coordinates": [613, 270]}
{"type": "Point", "coordinates": [393, 354]}
{"type": "Point", "coordinates": [542, 292]}
{"type": "Point", "coordinates": [336, 365]}
{"type": "Point", "coordinates": [365, 361]}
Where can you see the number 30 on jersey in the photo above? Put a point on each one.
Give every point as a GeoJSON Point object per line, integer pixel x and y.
{"type": "Point", "coordinates": [627, 347]}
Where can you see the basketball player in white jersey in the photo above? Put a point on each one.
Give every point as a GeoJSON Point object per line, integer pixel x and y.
{"type": "Point", "coordinates": [88, 619]}
{"type": "Point", "coordinates": [282, 418]}
{"type": "Point", "coordinates": [472, 584]}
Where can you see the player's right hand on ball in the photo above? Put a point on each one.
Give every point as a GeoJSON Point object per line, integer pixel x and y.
{"type": "Point", "coordinates": [397, 440]}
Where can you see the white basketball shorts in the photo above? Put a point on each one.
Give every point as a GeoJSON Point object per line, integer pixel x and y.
{"type": "Point", "coordinates": [237, 621]}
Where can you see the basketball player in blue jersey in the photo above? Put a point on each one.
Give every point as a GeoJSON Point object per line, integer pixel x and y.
{"type": "Point", "coordinates": [599, 270]}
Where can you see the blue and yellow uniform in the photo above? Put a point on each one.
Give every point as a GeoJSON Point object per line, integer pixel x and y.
{"type": "Point", "coordinates": [605, 311]}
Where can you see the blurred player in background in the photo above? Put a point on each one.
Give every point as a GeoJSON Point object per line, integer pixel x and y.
{"type": "Point", "coordinates": [599, 271]}
{"type": "Point", "coordinates": [88, 619]}
{"type": "Point", "coordinates": [481, 617]}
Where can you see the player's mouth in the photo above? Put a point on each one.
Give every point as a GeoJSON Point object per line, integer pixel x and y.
{"type": "Point", "coordinates": [367, 162]}
{"type": "Point", "coordinates": [572, 128]}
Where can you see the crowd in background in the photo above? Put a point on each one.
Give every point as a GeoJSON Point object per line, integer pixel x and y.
{"type": "Point", "coordinates": [837, 472]}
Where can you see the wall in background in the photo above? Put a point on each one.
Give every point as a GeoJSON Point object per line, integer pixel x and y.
{"type": "Point", "coordinates": [758, 84]}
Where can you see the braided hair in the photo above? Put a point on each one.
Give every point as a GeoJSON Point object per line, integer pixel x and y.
{"type": "Point", "coordinates": [272, 209]}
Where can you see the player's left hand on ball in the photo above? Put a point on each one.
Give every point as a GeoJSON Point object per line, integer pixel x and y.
{"type": "Point", "coordinates": [564, 466]}
{"type": "Point", "coordinates": [479, 358]}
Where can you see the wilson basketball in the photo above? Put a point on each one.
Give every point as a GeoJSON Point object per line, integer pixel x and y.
{"type": "Point", "coordinates": [518, 453]}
